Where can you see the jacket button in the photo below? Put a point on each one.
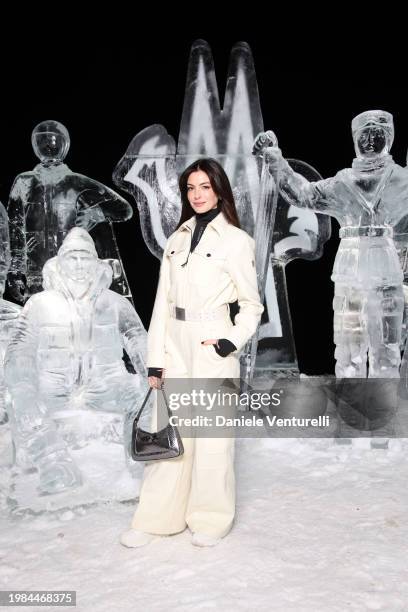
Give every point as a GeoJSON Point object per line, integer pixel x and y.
{"type": "Point", "coordinates": [208, 254]}
{"type": "Point", "coordinates": [171, 252]}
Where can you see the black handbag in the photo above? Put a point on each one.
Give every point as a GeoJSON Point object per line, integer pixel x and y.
{"type": "Point", "coordinates": [163, 444]}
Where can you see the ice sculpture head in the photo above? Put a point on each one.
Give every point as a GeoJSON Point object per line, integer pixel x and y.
{"type": "Point", "coordinates": [373, 133]}
{"type": "Point", "coordinates": [205, 185]}
{"type": "Point", "coordinates": [50, 140]}
{"type": "Point", "coordinates": [77, 256]}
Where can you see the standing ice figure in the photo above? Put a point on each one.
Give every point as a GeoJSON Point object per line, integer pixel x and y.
{"type": "Point", "coordinates": [66, 354]}
{"type": "Point", "coordinates": [47, 202]}
{"type": "Point", "coordinates": [368, 200]}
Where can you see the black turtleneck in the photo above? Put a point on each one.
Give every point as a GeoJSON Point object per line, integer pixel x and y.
{"type": "Point", "coordinates": [224, 347]}
{"type": "Point", "coordinates": [203, 220]}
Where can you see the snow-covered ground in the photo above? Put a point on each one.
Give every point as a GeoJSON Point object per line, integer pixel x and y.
{"type": "Point", "coordinates": [319, 527]}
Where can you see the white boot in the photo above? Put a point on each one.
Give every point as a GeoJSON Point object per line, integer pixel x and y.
{"type": "Point", "coordinates": [132, 538]}
{"type": "Point", "coordinates": [203, 539]}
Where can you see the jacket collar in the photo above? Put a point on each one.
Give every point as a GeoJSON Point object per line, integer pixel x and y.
{"type": "Point", "coordinates": [219, 223]}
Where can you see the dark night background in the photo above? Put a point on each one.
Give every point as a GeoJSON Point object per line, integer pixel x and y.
{"type": "Point", "coordinates": [105, 89]}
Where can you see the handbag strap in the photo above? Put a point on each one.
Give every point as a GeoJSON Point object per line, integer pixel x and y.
{"type": "Point", "coordinates": [145, 402]}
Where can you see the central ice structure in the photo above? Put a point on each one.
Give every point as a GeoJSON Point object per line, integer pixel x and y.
{"type": "Point", "coordinates": [64, 363]}
{"type": "Point", "coordinates": [149, 171]}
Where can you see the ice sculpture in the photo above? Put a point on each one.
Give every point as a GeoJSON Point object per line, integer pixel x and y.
{"type": "Point", "coordinates": [4, 248]}
{"type": "Point", "coordinates": [47, 202]}
{"type": "Point", "coordinates": [150, 167]}
{"type": "Point", "coordinates": [8, 311]}
{"type": "Point", "coordinates": [65, 360]}
{"type": "Point", "coordinates": [368, 200]}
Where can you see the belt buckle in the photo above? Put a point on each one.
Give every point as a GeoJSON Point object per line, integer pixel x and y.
{"type": "Point", "coordinates": [180, 313]}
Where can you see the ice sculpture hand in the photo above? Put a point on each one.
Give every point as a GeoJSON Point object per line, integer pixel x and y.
{"type": "Point", "coordinates": [88, 218]}
{"type": "Point", "coordinates": [8, 310]}
{"type": "Point", "coordinates": [263, 141]}
{"type": "Point", "coordinates": [265, 145]}
{"type": "Point", "coordinates": [58, 474]}
{"type": "Point", "coordinates": [32, 244]}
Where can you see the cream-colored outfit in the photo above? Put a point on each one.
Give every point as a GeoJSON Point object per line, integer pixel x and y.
{"type": "Point", "coordinates": [198, 488]}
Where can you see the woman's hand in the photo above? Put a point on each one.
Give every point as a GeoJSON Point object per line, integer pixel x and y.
{"type": "Point", "coordinates": [223, 347]}
{"type": "Point", "coordinates": [155, 381]}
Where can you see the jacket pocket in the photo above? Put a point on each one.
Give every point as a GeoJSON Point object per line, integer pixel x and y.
{"type": "Point", "coordinates": [206, 267]}
{"type": "Point", "coordinates": [176, 258]}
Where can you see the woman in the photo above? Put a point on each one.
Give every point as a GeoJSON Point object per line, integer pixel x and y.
{"type": "Point", "coordinates": [208, 262]}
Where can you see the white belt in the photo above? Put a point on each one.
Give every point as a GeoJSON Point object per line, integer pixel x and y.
{"type": "Point", "coordinates": [185, 314]}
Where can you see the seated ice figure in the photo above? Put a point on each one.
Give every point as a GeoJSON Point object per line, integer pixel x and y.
{"type": "Point", "coordinates": [66, 355]}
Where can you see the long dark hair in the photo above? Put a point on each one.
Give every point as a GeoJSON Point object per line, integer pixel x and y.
{"type": "Point", "coordinates": [221, 187]}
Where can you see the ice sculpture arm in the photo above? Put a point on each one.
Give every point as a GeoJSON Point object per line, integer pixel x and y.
{"type": "Point", "coordinates": [18, 246]}
{"type": "Point", "coordinates": [160, 316]}
{"type": "Point", "coordinates": [298, 191]}
{"type": "Point", "coordinates": [88, 218]}
{"type": "Point", "coordinates": [241, 267]}
{"type": "Point", "coordinates": [133, 336]}
{"type": "Point", "coordinates": [4, 247]}
{"type": "Point", "coordinates": [98, 203]}
{"type": "Point", "coordinates": [295, 188]}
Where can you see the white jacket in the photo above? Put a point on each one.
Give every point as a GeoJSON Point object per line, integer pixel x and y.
{"type": "Point", "coordinates": [221, 269]}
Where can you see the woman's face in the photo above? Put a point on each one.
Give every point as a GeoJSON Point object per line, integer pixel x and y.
{"type": "Point", "coordinates": [200, 194]}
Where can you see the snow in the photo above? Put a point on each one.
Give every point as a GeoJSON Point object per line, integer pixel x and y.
{"type": "Point", "coordinates": [319, 527]}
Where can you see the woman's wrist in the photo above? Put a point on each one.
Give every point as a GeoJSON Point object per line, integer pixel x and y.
{"type": "Point", "coordinates": [155, 372]}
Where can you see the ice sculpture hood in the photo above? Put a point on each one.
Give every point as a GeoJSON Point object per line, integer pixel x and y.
{"type": "Point", "coordinates": [374, 117]}
{"type": "Point", "coordinates": [77, 239]}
